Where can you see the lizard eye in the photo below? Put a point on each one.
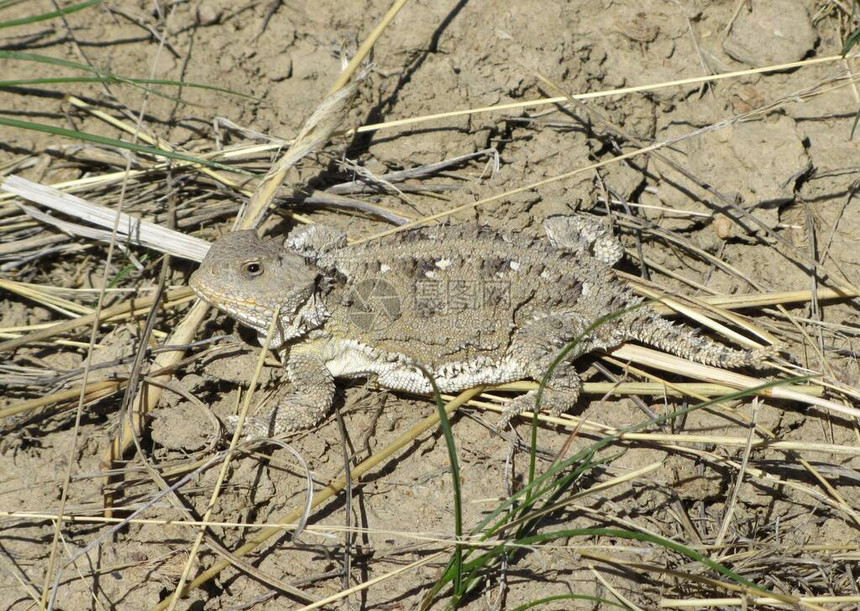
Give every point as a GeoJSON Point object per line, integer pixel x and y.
{"type": "Point", "coordinates": [252, 268]}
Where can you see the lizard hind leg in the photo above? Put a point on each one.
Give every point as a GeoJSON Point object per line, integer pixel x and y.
{"type": "Point", "coordinates": [536, 346]}
{"type": "Point", "coordinates": [584, 234]}
{"type": "Point", "coordinates": [559, 395]}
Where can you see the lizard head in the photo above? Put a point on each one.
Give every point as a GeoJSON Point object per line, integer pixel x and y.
{"type": "Point", "coordinates": [249, 277]}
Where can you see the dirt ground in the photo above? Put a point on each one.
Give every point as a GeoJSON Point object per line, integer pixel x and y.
{"type": "Point", "coordinates": [755, 195]}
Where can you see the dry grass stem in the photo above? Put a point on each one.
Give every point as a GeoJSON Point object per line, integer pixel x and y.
{"type": "Point", "coordinates": [222, 473]}
{"type": "Point", "coordinates": [806, 601]}
{"type": "Point", "coordinates": [314, 133]}
{"type": "Point", "coordinates": [674, 364]}
{"type": "Point", "coordinates": [597, 94]}
{"type": "Point", "coordinates": [131, 308]}
{"type": "Point", "coordinates": [131, 230]}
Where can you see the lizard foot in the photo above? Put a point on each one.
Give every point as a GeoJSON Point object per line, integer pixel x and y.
{"type": "Point", "coordinates": [557, 401]}
{"type": "Point", "coordinates": [293, 413]}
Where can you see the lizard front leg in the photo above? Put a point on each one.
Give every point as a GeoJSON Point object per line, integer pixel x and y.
{"type": "Point", "coordinates": [301, 406]}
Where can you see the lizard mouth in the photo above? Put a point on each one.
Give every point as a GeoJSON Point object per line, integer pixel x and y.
{"type": "Point", "coordinates": [247, 311]}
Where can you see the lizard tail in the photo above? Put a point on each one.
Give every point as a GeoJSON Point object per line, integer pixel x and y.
{"type": "Point", "coordinates": [650, 328]}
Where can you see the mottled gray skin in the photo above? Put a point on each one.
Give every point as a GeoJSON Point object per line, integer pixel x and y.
{"type": "Point", "coordinates": [468, 304]}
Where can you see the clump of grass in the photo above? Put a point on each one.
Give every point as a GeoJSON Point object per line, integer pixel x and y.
{"type": "Point", "coordinates": [850, 42]}
{"type": "Point", "coordinates": [518, 525]}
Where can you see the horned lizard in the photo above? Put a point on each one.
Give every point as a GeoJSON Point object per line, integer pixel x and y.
{"type": "Point", "coordinates": [468, 304]}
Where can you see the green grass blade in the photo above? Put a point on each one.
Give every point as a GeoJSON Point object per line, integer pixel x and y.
{"type": "Point", "coordinates": [110, 79]}
{"type": "Point", "coordinates": [548, 484]}
{"type": "Point", "coordinates": [553, 492]}
{"type": "Point", "coordinates": [445, 423]}
{"type": "Point", "coordinates": [139, 148]}
{"type": "Point", "coordinates": [102, 77]}
{"type": "Point", "coordinates": [45, 59]}
{"type": "Point", "coordinates": [58, 80]}
{"type": "Point", "coordinates": [4, 4]}
{"type": "Point", "coordinates": [48, 16]}
{"type": "Point", "coordinates": [647, 538]}
{"type": "Point", "coordinates": [472, 568]}
{"type": "Point", "coordinates": [127, 269]}
{"type": "Point", "coordinates": [188, 84]}
{"type": "Point", "coordinates": [852, 39]}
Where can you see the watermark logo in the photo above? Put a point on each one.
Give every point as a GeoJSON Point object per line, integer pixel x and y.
{"type": "Point", "coordinates": [449, 296]}
{"type": "Point", "coordinates": [374, 304]}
